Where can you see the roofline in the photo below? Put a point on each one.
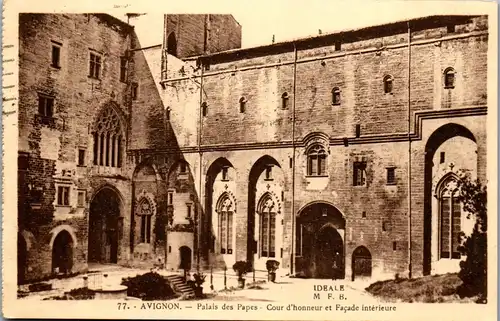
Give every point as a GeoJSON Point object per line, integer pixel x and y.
{"type": "Point", "coordinates": [348, 34]}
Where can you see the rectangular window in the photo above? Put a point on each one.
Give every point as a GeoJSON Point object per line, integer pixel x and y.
{"type": "Point", "coordinates": [359, 174]}
{"type": "Point", "coordinates": [189, 207]}
{"type": "Point", "coordinates": [63, 195]}
{"type": "Point", "coordinates": [394, 246]}
{"type": "Point", "coordinates": [183, 168]}
{"type": "Point", "coordinates": [36, 196]}
{"type": "Point", "coordinates": [81, 198]}
{"type": "Point", "coordinates": [95, 65]}
{"type": "Point", "coordinates": [358, 130]}
{"type": "Point", "coordinates": [56, 55]}
{"type": "Point", "coordinates": [170, 198]}
{"type": "Point", "coordinates": [81, 157]}
{"type": "Point", "coordinates": [22, 163]}
{"type": "Point", "coordinates": [123, 69]}
{"type": "Point", "coordinates": [269, 175]}
{"type": "Point", "coordinates": [225, 177]}
{"type": "Point", "coordinates": [45, 105]}
{"type": "Point", "coordinates": [145, 228]}
{"type": "Point", "coordinates": [135, 88]}
{"type": "Point", "coordinates": [441, 158]}
{"type": "Point", "coordinates": [391, 176]}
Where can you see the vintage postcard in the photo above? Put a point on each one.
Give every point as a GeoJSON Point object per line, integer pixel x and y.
{"type": "Point", "coordinates": [267, 160]}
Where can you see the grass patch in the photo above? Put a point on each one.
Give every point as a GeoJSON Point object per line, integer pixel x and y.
{"type": "Point", "coordinates": [427, 289]}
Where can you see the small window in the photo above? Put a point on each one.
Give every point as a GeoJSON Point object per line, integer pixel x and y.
{"type": "Point", "coordinates": [81, 198]}
{"type": "Point", "coordinates": [167, 113]}
{"type": "Point", "coordinates": [388, 84]}
{"type": "Point", "coordinates": [22, 163]}
{"type": "Point", "coordinates": [189, 209]}
{"type": "Point", "coordinates": [363, 214]}
{"type": "Point", "coordinates": [63, 195]}
{"type": "Point", "coordinates": [183, 168]}
{"type": "Point", "coordinates": [243, 103]}
{"type": "Point", "coordinates": [385, 226]}
{"type": "Point", "coordinates": [225, 174]}
{"type": "Point", "coordinates": [204, 109]}
{"type": "Point", "coordinates": [358, 130]}
{"type": "Point", "coordinates": [449, 78]}
{"type": "Point", "coordinates": [338, 46]}
{"type": "Point", "coordinates": [284, 100]}
{"type": "Point", "coordinates": [123, 69]}
{"type": "Point", "coordinates": [394, 246]}
{"type": "Point", "coordinates": [170, 199]}
{"type": "Point", "coordinates": [359, 175]}
{"type": "Point", "coordinates": [81, 157]}
{"type": "Point", "coordinates": [269, 172]}
{"type": "Point", "coordinates": [336, 96]}
{"type": "Point", "coordinates": [56, 55]}
{"type": "Point", "coordinates": [95, 65]}
{"type": "Point", "coordinates": [135, 89]}
{"type": "Point", "coordinates": [45, 106]}
{"type": "Point", "coordinates": [36, 196]}
{"type": "Point", "coordinates": [441, 158]}
{"type": "Point", "coordinates": [391, 176]}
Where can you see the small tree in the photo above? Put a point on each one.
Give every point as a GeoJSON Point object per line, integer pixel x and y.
{"type": "Point", "coordinates": [473, 271]}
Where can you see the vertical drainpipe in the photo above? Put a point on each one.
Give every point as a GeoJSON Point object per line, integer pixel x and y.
{"type": "Point", "coordinates": [409, 154]}
{"type": "Point", "coordinates": [292, 252]}
{"type": "Point", "coordinates": [199, 209]}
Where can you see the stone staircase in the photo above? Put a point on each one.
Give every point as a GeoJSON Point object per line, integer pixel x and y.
{"type": "Point", "coordinates": [179, 286]}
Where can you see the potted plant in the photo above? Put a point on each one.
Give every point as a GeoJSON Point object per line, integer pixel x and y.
{"type": "Point", "coordinates": [241, 268]}
{"type": "Point", "coordinates": [199, 279]}
{"type": "Point", "coordinates": [272, 267]}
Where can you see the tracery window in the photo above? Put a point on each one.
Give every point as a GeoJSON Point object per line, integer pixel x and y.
{"type": "Point", "coordinates": [145, 212]}
{"type": "Point", "coordinates": [108, 140]}
{"type": "Point", "coordinates": [267, 224]}
{"type": "Point", "coordinates": [316, 161]}
{"type": "Point", "coordinates": [450, 216]}
{"type": "Point", "coordinates": [225, 210]}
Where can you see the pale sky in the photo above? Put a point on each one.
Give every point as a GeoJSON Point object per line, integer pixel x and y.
{"type": "Point", "coordinates": [261, 19]}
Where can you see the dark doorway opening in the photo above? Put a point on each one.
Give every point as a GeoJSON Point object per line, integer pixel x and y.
{"type": "Point", "coordinates": [62, 253]}
{"type": "Point", "coordinates": [330, 254]}
{"type": "Point", "coordinates": [22, 255]}
{"type": "Point", "coordinates": [185, 258]}
{"type": "Point", "coordinates": [104, 227]}
{"type": "Point", "coordinates": [361, 263]}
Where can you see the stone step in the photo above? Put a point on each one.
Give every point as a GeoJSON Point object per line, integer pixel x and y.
{"type": "Point", "coordinates": [179, 285]}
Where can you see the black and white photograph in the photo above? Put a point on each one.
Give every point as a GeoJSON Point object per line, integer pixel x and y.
{"type": "Point", "coordinates": [291, 161]}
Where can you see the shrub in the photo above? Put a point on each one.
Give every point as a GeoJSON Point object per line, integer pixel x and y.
{"type": "Point", "coordinates": [272, 266]}
{"type": "Point", "coordinates": [241, 268]}
{"type": "Point", "coordinates": [473, 271]}
{"type": "Point", "coordinates": [81, 294]}
{"type": "Point", "coordinates": [38, 287]}
{"type": "Point", "coordinates": [149, 286]}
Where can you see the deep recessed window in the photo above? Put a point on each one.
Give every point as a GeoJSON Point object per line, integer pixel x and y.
{"type": "Point", "coordinates": [183, 168]}
{"type": "Point", "coordinates": [95, 65]}
{"type": "Point", "coordinates": [391, 176]}
{"type": "Point", "coordinates": [363, 214]}
{"type": "Point", "coordinates": [441, 158]}
{"type": "Point", "coordinates": [388, 84]}
{"type": "Point", "coordinates": [269, 172]}
{"type": "Point", "coordinates": [63, 195]}
{"type": "Point", "coordinates": [81, 157]}
{"type": "Point", "coordinates": [224, 173]}
{"type": "Point", "coordinates": [108, 139]}
{"type": "Point", "coordinates": [145, 211]}
{"type": "Point", "coordinates": [45, 105]}
{"type": "Point", "coordinates": [358, 130]}
{"type": "Point", "coordinates": [449, 78]}
{"type": "Point", "coordinates": [316, 161]}
{"type": "Point", "coordinates": [172, 44]}
{"type": "Point", "coordinates": [204, 109]}
{"type": "Point", "coordinates": [123, 69]}
{"type": "Point", "coordinates": [284, 100]}
{"type": "Point", "coordinates": [56, 55]}
{"type": "Point", "coordinates": [135, 90]}
{"type": "Point", "coordinates": [336, 96]}
{"type": "Point", "coordinates": [359, 173]}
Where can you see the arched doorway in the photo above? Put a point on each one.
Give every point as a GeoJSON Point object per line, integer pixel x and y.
{"type": "Point", "coordinates": [62, 253]}
{"type": "Point", "coordinates": [22, 254]}
{"type": "Point", "coordinates": [319, 249]}
{"type": "Point", "coordinates": [104, 227]}
{"type": "Point", "coordinates": [361, 263]}
{"type": "Point", "coordinates": [185, 258]}
{"type": "Point", "coordinates": [330, 253]}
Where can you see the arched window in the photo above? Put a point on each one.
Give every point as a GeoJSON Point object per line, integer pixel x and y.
{"type": "Point", "coordinates": [225, 209]}
{"type": "Point", "coordinates": [336, 96]}
{"type": "Point", "coordinates": [449, 78]}
{"type": "Point", "coordinates": [316, 161]}
{"type": "Point", "coordinates": [145, 212]}
{"type": "Point", "coordinates": [267, 224]}
{"type": "Point", "coordinates": [108, 140]}
{"type": "Point", "coordinates": [450, 216]}
{"type": "Point", "coordinates": [172, 44]}
{"type": "Point", "coordinates": [284, 100]}
{"type": "Point", "coordinates": [388, 82]}
{"type": "Point", "coordinates": [243, 103]}
{"type": "Point", "coordinates": [204, 108]}
{"type": "Point", "coordinates": [167, 113]}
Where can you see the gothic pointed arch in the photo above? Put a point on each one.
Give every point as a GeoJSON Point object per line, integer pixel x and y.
{"type": "Point", "coordinates": [225, 209]}
{"type": "Point", "coordinates": [108, 132]}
